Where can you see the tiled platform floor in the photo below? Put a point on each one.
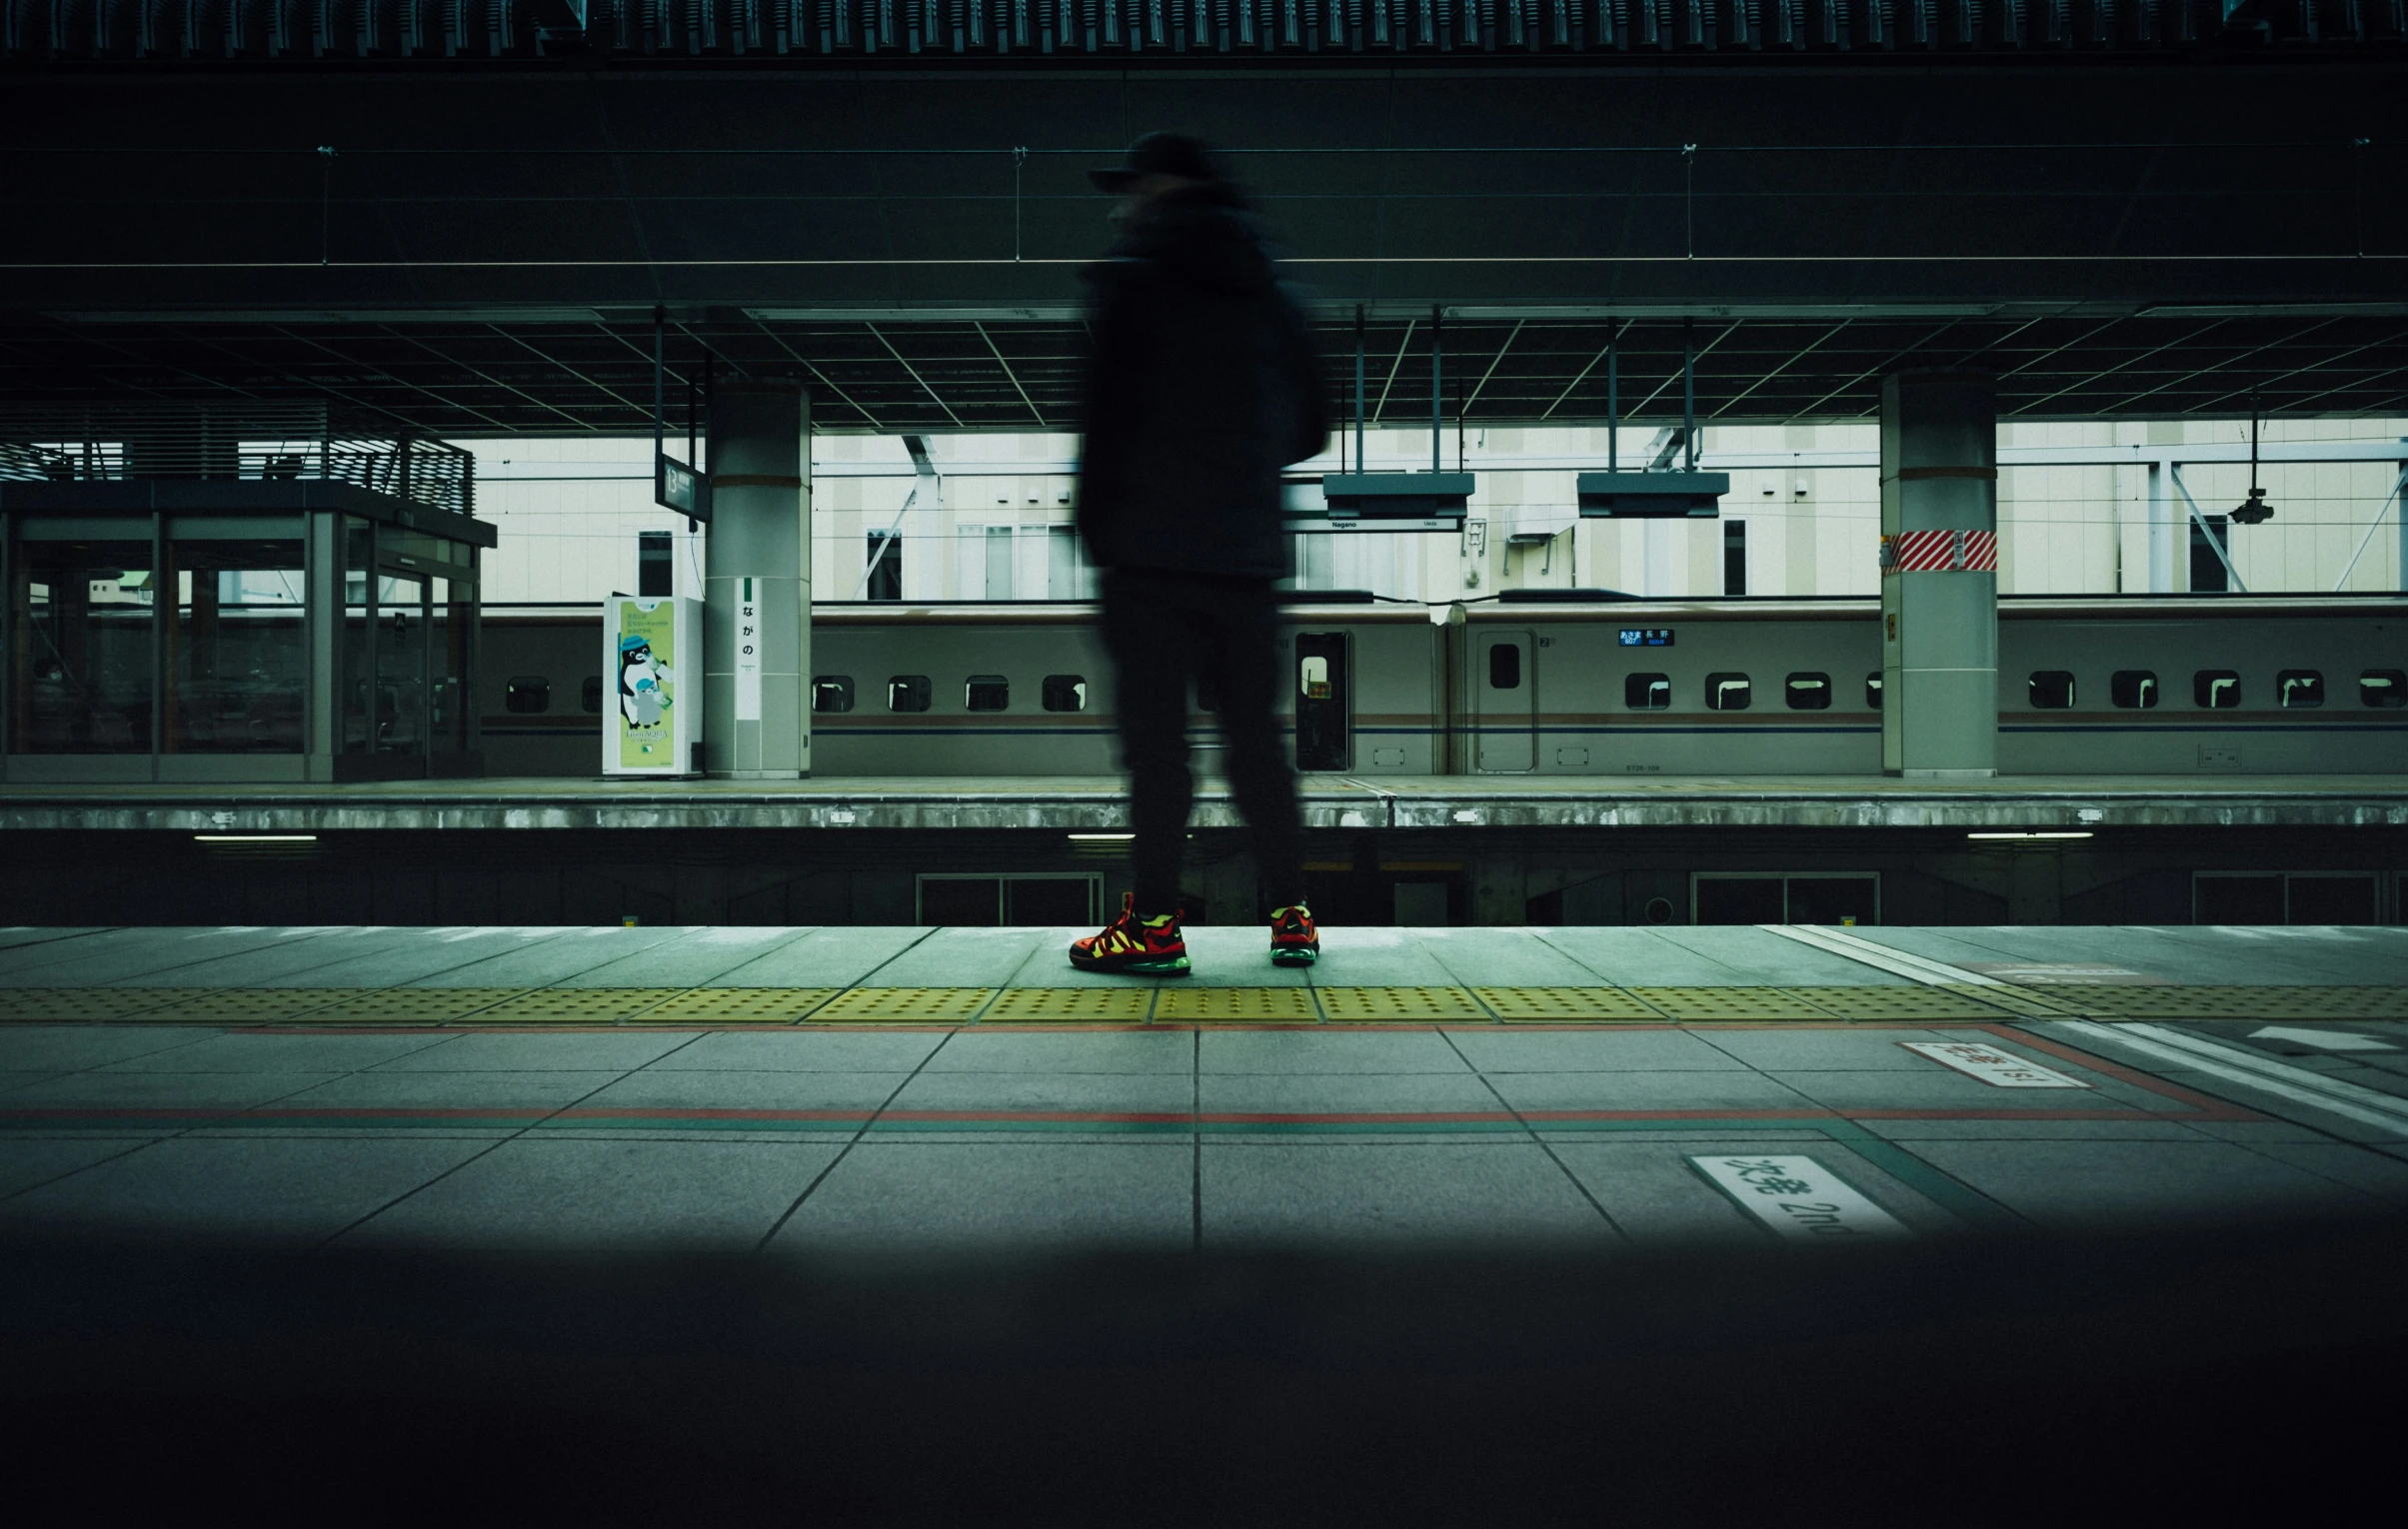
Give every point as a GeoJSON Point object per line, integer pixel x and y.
{"type": "Point", "coordinates": [847, 1088]}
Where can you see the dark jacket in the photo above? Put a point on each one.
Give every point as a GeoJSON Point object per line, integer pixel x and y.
{"type": "Point", "coordinates": [1202, 386]}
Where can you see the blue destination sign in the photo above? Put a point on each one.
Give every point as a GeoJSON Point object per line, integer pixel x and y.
{"type": "Point", "coordinates": [1646, 637]}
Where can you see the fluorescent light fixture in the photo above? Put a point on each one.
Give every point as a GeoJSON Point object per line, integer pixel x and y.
{"type": "Point", "coordinates": [255, 838]}
{"type": "Point", "coordinates": [2063, 833]}
{"type": "Point", "coordinates": [1092, 838]}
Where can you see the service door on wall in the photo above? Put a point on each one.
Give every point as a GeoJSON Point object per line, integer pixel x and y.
{"type": "Point", "coordinates": [1507, 683]}
{"type": "Point", "coordinates": [1322, 706]}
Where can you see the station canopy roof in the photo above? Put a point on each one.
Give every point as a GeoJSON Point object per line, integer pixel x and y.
{"type": "Point", "coordinates": [572, 371]}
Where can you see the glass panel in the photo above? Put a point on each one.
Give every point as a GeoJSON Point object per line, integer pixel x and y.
{"type": "Point", "coordinates": [2383, 687]}
{"type": "Point", "coordinates": [832, 693]}
{"type": "Point", "coordinates": [1727, 692]}
{"type": "Point", "coordinates": [2216, 689]}
{"type": "Point", "coordinates": [2051, 690]}
{"type": "Point", "coordinates": [1067, 693]}
{"type": "Point", "coordinates": [400, 664]}
{"type": "Point", "coordinates": [908, 692]}
{"type": "Point", "coordinates": [2295, 687]}
{"type": "Point", "coordinates": [1807, 691]}
{"type": "Point", "coordinates": [357, 662]}
{"type": "Point", "coordinates": [2133, 688]}
{"type": "Point", "coordinates": [237, 655]}
{"type": "Point", "coordinates": [82, 647]}
{"type": "Point", "coordinates": [452, 617]}
{"type": "Point", "coordinates": [986, 693]}
{"type": "Point", "coordinates": [1504, 667]}
{"type": "Point", "coordinates": [1647, 693]}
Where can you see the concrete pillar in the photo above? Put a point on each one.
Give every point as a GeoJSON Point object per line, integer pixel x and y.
{"type": "Point", "coordinates": [757, 720]}
{"type": "Point", "coordinates": [1939, 575]}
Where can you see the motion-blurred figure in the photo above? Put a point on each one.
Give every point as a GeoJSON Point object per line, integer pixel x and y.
{"type": "Point", "coordinates": [1202, 385]}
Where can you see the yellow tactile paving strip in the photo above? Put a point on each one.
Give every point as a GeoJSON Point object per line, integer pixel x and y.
{"type": "Point", "coordinates": [414, 1005]}
{"type": "Point", "coordinates": [575, 1005]}
{"type": "Point", "coordinates": [1377, 1006]}
{"type": "Point", "coordinates": [1732, 1004]}
{"type": "Point", "coordinates": [1895, 1002]}
{"type": "Point", "coordinates": [1069, 1006]}
{"type": "Point", "coordinates": [902, 1005]}
{"type": "Point", "coordinates": [757, 1005]}
{"type": "Point", "coordinates": [36, 1005]}
{"type": "Point", "coordinates": [1182, 1003]}
{"type": "Point", "coordinates": [1564, 1005]}
{"type": "Point", "coordinates": [1206, 1004]}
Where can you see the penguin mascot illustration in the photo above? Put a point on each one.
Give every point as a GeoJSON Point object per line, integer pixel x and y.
{"type": "Point", "coordinates": [643, 685]}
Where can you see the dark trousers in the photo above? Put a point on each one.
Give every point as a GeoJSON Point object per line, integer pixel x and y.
{"type": "Point", "coordinates": [1166, 631]}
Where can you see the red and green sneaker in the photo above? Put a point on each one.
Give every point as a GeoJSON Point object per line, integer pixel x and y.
{"type": "Point", "coordinates": [1139, 946]}
{"type": "Point", "coordinates": [1293, 939]}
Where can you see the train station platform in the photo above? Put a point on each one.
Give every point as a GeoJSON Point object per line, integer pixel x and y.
{"type": "Point", "coordinates": [1075, 803]}
{"type": "Point", "coordinates": [818, 1089]}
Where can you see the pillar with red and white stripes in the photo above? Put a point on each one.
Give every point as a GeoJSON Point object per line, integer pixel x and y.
{"type": "Point", "coordinates": [1939, 575]}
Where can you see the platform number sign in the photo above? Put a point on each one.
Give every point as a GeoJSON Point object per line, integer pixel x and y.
{"type": "Point", "coordinates": [1799, 1197]}
{"type": "Point", "coordinates": [747, 653]}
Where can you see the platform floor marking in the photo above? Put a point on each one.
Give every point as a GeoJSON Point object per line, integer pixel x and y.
{"type": "Point", "coordinates": [1732, 1004]}
{"type": "Point", "coordinates": [902, 1005]}
{"type": "Point", "coordinates": [1373, 1005]}
{"type": "Point", "coordinates": [754, 1004]}
{"type": "Point", "coordinates": [1209, 1003]}
{"type": "Point", "coordinates": [44, 1006]}
{"type": "Point", "coordinates": [1999, 1069]}
{"type": "Point", "coordinates": [1882, 1005]}
{"type": "Point", "coordinates": [414, 1005]}
{"type": "Point", "coordinates": [1069, 1006]}
{"type": "Point", "coordinates": [588, 1005]}
{"type": "Point", "coordinates": [1564, 1005]}
{"type": "Point", "coordinates": [1797, 1197]}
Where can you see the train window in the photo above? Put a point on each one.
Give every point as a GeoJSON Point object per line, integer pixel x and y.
{"type": "Point", "coordinates": [2051, 690]}
{"type": "Point", "coordinates": [2299, 688]}
{"type": "Point", "coordinates": [588, 700]}
{"type": "Point", "coordinates": [986, 693]}
{"type": "Point", "coordinates": [1063, 692]}
{"type": "Point", "coordinates": [527, 692]}
{"type": "Point", "coordinates": [832, 693]}
{"type": "Point", "coordinates": [1504, 667]}
{"type": "Point", "coordinates": [1647, 693]}
{"type": "Point", "coordinates": [1727, 692]}
{"type": "Point", "coordinates": [2216, 689]}
{"type": "Point", "coordinates": [2136, 690]}
{"type": "Point", "coordinates": [1807, 693]}
{"type": "Point", "coordinates": [908, 692]}
{"type": "Point", "coordinates": [1873, 690]}
{"type": "Point", "coordinates": [2383, 687]}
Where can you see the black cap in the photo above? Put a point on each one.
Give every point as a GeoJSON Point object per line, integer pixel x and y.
{"type": "Point", "coordinates": [1161, 154]}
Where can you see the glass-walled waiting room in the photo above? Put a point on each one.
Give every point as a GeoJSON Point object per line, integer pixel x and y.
{"type": "Point", "coordinates": [308, 644]}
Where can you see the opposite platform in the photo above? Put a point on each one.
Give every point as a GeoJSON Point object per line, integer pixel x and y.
{"type": "Point", "coordinates": [1084, 802]}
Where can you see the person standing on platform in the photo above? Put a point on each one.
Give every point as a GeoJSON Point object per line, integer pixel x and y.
{"type": "Point", "coordinates": [1202, 386]}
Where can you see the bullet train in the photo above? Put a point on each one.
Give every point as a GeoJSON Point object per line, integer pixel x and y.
{"type": "Point", "coordinates": [1551, 682]}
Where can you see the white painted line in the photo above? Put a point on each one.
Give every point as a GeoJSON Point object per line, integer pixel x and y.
{"type": "Point", "coordinates": [1882, 958]}
{"type": "Point", "coordinates": [1799, 1197]}
{"type": "Point", "coordinates": [2347, 1100]}
{"type": "Point", "coordinates": [2328, 1041]}
{"type": "Point", "coordinates": [1993, 1066]}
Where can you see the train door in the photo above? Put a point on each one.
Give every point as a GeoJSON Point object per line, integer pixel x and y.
{"type": "Point", "coordinates": [1506, 682]}
{"type": "Point", "coordinates": [1322, 701]}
